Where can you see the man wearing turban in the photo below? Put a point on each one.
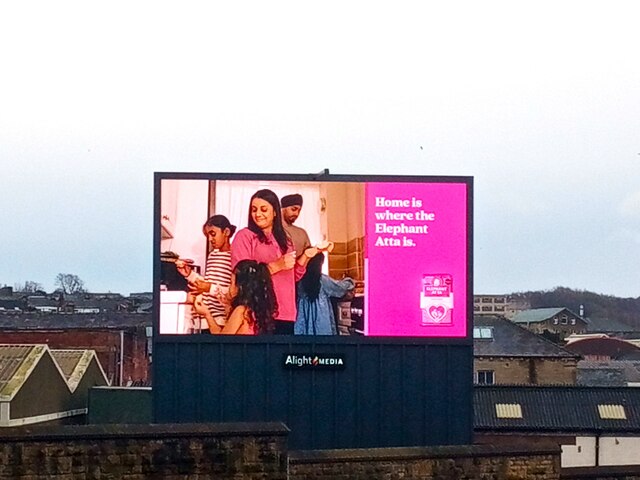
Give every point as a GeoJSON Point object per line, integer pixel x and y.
{"type": "Point", "coordinates": [291, 207]}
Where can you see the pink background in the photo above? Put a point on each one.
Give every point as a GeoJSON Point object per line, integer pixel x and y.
{"type": "Point", "coordinates": [394, 274]}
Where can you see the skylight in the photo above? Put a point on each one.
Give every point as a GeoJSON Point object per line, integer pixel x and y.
{"type": "Point", "coordinates": [612, 412]}
{"type": "Point", "coordinates": [485, 333]}
{"type": "Point", "coordinates": [508, 410]}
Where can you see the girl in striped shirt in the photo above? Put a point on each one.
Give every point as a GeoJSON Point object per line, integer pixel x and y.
{"type": "Point", "coordinates": [217, 275]}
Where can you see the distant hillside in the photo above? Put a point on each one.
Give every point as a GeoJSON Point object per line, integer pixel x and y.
{"type": "Point", "coordinates": [626, 310]}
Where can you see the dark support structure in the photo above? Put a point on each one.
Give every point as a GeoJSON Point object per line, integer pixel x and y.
{"type": "Point", "coordinates": [387, 395]}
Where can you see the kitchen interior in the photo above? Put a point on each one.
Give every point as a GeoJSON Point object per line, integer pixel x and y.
{"type": "Point", "coordinates": [332, 211]}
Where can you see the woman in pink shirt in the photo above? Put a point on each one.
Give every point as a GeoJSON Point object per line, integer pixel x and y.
{"type": "Point", "coordinates": [265, 241]}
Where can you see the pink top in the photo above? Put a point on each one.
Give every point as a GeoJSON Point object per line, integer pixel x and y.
{"type": "Point", "coordinates": [247, 246]}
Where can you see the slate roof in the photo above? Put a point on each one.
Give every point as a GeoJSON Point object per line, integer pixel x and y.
{"type": "Point", "coordinates": [607, 325]}
{"type": "Point", "coordinates": [536, 315]}
{"type": "Point", "coordinates": [38, 301]}
{"type": "Point", "coordinates": [110, 303]}
{"type": "Point", "coordinates": [12, 303]}
{"type": "Point", "coordinates": [82, 321]}
{"type": "Point", "coordinates": [629, 370]}
{"type": "Point", "coordinates": [556, 408]}
{"type": "Point", "coordinates": [511, 340]}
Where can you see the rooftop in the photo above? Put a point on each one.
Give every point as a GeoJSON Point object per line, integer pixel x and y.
{"type": "Point", "coordinates": [557, 408]}
{"type": "Point", "coordinates": [16, 363]}
{"type": "Point", "coordinates": [61, 321]}
{"type": "Point", "coordinates": [511, 340]}
{"type": "Point", "coordinates": [536, 314]}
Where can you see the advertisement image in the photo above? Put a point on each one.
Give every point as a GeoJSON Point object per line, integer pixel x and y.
{"type": "Point", "coordinates": [312, 258]}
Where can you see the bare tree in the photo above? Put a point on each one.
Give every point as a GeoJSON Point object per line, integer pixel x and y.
{"type": "Point", "coordinates": [28, 287]}
{"type": "Point", "coordinates": [69, 283]}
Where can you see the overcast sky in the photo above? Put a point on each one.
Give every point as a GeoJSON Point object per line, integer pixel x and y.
{"type": "Point", "coordinates": [539, 101]}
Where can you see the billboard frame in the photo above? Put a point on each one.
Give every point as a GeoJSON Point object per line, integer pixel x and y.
{"type": "Point", "coordinates": [323, 176]}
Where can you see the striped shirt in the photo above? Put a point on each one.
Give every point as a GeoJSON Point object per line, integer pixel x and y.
{"type": "Point", "coordinates": [218, 273]}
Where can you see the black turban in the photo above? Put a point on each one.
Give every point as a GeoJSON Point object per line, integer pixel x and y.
{"type": "Point", "coordinates": [290, 200]}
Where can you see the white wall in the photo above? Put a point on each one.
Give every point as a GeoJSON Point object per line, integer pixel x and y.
{"type": "Point", "coordinates": [582, 454]}
{"type": "Point", "coordinates": [612, 451]}
{"type": "Point", "coordinates": [186, 203]}
{"type": "Point", "coordinates": [619, 451]}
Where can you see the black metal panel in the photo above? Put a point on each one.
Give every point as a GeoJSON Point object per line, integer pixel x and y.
{"type": "Point", "coordinates": [391, 404]}
{"type": "Point", "coordinates": [387, 394]}
{"type": "Point", "coordinates": [415, 395]}
{"type": "Point", "coordinates": [188, 364]}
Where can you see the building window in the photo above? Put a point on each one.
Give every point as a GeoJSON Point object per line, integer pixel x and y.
{"type": "Point", "coordinates": [487, 308]}
{"type": "Point", "coordinates": [573, 321]}
{"type": "Point", "coordinates": [500, 308]}
{"type": "Point", "coordinates": [485, 377]}
{"type": "Point", "coordinates": [563, 319]}
{"type": "Point", "coordinates": [555, 320]}
{"type": "Point", "coordinates": [487, 300]}
{"type": "Point", "coordinates": [499, 300]}
{"type": "Point", "coordinates": [476, 308]}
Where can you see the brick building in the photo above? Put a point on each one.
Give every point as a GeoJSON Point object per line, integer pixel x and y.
{"type": "Point", "coordinates": [505, 353]}
{"type": "Point", "coordinates": [122, 341]}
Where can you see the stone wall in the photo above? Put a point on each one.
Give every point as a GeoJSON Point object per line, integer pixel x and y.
{"type": "Point", "coordinates": [427, 463]}
{"type": "Point", "coordinates": [136, 452]}
{"type": "Point", "coordinates": [255, 451]}
{"type": "Point", "coordinates": [529, 371]}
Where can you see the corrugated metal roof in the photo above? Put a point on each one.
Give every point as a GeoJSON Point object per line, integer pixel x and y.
{"type": "Point", "coordinates": [557, 408]}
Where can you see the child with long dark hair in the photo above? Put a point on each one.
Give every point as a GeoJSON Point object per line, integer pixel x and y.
{"type": "Point", "coordinates": [253, 301]}
{"type": "Point", "coordinates": [315, 289]}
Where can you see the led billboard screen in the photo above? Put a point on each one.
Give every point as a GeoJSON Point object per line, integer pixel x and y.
{"type": "Point", "coordinates": [378, 257]}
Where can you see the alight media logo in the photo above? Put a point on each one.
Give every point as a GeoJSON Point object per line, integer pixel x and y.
{"type": "Point", "coordinates": [294, 360]}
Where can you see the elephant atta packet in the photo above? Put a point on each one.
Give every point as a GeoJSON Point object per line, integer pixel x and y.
{"type": "Point", "coordinates": [436, 299]}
